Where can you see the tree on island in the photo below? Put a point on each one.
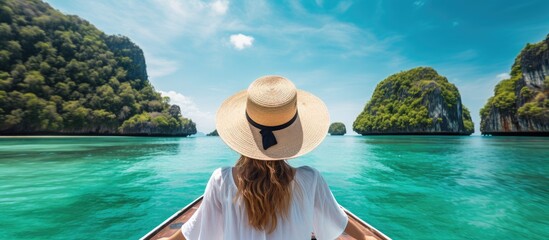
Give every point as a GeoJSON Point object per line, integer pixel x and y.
{"type": "Point", "coordinates": [337, 129]}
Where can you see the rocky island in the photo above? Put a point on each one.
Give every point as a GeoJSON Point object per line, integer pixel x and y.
{"type": "Point", "coordinates": [337, 129]}
{"type": "Point", "coordinates": [417, 101]}
{"type": "Point", "coordinates": [213, 133]}
{"type": "Point", "coordinates": [61, 75]}
{"type": "Point", "coordinates": [520, 105]}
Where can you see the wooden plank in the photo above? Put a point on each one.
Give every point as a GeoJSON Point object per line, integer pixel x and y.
{"type": "Point", "coordinates": [174, 223]}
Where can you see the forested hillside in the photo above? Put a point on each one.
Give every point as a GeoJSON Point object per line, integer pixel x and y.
{"type": "Point", "coordinates": [416, 101]}
{"type": "Point", "coordinates": [61, 75]}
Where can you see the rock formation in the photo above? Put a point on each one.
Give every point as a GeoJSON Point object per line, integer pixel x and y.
{"type": "Point", "coordinates": [417, 101]}
{"type": "Point", "coordinates": [213, 133]}
{"type": "Point", "coordinates": [520, 105]}
{"type": "Point", "coordinates": [337, 128]}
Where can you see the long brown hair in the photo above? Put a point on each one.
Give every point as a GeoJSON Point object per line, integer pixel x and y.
{"type": "Point", "coordinates": [265, 189]}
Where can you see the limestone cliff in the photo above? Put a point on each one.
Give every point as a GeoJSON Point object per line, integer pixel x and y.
{"type": "Point", "coordinates": [520, 105]}
{"type": "Point", "coordinates": [417, 101]}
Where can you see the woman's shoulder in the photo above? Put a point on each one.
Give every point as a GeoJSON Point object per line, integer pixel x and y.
{"type": "Point", "coordinates": [220, 175]}
{"type": "Point", "coordinates": [307, 173]}
{"type": "Point", "coordinates": [307, 169]}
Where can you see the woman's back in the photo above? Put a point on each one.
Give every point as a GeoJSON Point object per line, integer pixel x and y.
{"type": "Point", "coordinates": [270, 122]}
{"type": "Point", "coordinates": [223, 214]}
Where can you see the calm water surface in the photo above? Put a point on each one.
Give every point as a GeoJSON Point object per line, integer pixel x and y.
{"type": "Point", "coordinates": [409, 187]}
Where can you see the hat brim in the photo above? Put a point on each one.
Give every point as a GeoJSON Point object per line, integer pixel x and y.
{"type": "Point", "coordinates": [301, 137]}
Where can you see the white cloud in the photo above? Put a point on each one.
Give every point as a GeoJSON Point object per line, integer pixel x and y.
{"type": "Point", "coordinates": [419, 3]}
{"type": "Point", "coordinates": [322, 34]}
{"type": "Point", "coordinates": [159, 67]}
{"type": "Point", "coordinates": [319, 3]}
{"type": "Point", "coordinates": [241, 41]}
{"type": "Point", "coordinates": [329, 37]}
{"type": "Point", "coordinates": [343, 6]}
{"type": "Point", "coordinates": [186, 104]}
{"type": "Point", "coordinates": [188, 17]}
{"type": "Point", "coordinates": [157, 22]}
{"type": "Point", "coordinates": [502, 76]}
{"type": "Point", "coordinates": [204, 120]}
{"type": "Point", "coordinates": [220, 6]}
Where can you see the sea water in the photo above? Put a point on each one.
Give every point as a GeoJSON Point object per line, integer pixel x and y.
{"type": "Point", "coordinates": [409, 187]}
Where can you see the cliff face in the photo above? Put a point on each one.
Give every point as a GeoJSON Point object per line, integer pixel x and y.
{"type": "Point", "coordinates": [61, 75]}
{"type": "Point", "coordinates": [520, 105]}
{"type": "Point", "coordinates": [417, 101]}
{"type": "Point", "coordinates": [124, 49]}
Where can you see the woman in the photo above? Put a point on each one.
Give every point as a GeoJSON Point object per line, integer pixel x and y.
{"type": "Point", "coordinates": [262, 197]}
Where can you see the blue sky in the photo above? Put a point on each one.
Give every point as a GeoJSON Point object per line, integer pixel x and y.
{"type": "Point", "coordinates": [201, 52]}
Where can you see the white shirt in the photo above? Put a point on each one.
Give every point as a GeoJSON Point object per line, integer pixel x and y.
{"type": "Point", "coordinates": [313, 208]}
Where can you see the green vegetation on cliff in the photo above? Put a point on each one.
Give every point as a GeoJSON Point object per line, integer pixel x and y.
{"type": "Point", "coordinates": [524, 97]}
{"type": "Point", "coordinates": [504, 93]}
{"type": "Point", "coordinates": [467, 121]}
{"type": "Point", "coordinates": [337, 128]}
{"type": "Point", "coordinates": [60, 74]}
{"type": "Point", "coordinates": [412, 102]}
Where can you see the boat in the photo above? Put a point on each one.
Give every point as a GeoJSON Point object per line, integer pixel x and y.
{"type": "Point", "coordinates": [174, 223]}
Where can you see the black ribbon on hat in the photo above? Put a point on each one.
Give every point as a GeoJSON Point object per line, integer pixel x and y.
{"type": "Point", "coordinates": [267, 136]}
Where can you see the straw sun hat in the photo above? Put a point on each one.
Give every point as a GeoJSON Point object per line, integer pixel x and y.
{"type": "Point", "coordinates": [272, 120]}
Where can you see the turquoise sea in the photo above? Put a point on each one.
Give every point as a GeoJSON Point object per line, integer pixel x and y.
{"type": "Point", "coordinates": [409, 187]}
